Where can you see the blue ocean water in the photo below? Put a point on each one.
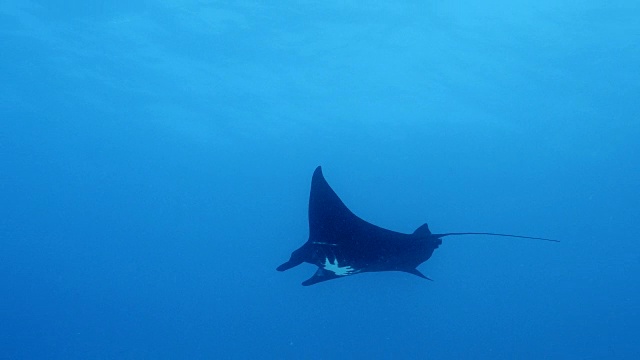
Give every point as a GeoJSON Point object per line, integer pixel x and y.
{"type": "Point", "coordinates": [156, 156]}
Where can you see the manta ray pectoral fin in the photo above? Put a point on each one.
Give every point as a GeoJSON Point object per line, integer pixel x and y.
{"type": "Point", "coordinates": [320, 276]}
{"type": "Point", "coordinates": [417, 273]}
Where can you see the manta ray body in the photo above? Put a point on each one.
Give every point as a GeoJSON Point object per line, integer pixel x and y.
{"type": "Point", "coordinates": [342, 244]}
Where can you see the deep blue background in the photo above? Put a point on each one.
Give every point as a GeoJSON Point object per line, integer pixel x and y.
{"type": "Point", "coordinates": [155, 161]}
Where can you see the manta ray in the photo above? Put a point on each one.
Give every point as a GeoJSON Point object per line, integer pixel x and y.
{"type": "Point", "coordinates": [342, 244]}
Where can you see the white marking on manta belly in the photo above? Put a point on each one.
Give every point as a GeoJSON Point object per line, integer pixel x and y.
{"type": "Point", "coordinates": [337, 269]}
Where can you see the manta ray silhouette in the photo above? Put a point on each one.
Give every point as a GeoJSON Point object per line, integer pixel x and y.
{"type": "Point", "coordinates": [342, 244]}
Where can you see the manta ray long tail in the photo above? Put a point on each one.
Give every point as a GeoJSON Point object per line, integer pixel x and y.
{"type": "Point", "coordinates": [493, 234]}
